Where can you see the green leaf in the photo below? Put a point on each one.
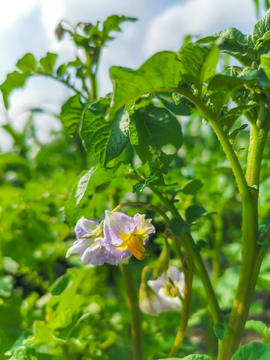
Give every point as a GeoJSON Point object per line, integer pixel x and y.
{"type": "Point", "coordinates": [48, 62]}
{"type": "Point", "coordinates": [27, 64]}
{"type": "Point", "coordinates": [254, 76]}
{"type": "Point", "coordinates": [159, 73]}
{"type": "Point", "coordinates": [112, 23]}
{"type": "Point", "coordinates": [221, 330]}
{"type": "Point", "coordinates": [265, 61]}
{"type": "Point", "coordinates": [232, 137]}
{"type": "Point", "coordinates": [6, 286]}
{"type": "Point", "coordinates": [104, 140]}
{"type": "Point", "coordinates": [24, 353]}
{"type": "Point", "coordinates": [257, 326]}
{"type": "Point", "coordinates": [71, 113]}
{"type": "Point", "coordinates": [194, 212]}
{"type": "Point", "coordinates": [264, 281]}
{"type": "Point", "coordinates": [142, 184]}
{"type": "Point", "coordinates": [261, 27]}
{"type": "Point", "coordinates": [42, 335]}
{"type": "Point", "coordinates": [201, 244]}
{"type": "Point", "coordinates": [13, 81]}
{"type": "Point", "coordinates": [183, 107]}
{"type": "Point", "coordinates": [60, 285]}
{"type": "Point", "coordinates": [179, 226]}
{"type": "Point", "coordinates": [222, 87]}
{"type": "Point", "coordinates": [252, 351]}
{"type": "Point", "coordinates": [231, 41]}
{"type": "Point", "coordinates": [152, 130]}
{"type": "Point", "coordinates": [95, 177]}
{"type": "Point", "coordinates": [233, 114]}
{"type": "Point", "coordinates": [192, 357]}
{"type": "Point", "coordinates": [191, 187]}
{"type": "Point", "coordinates": [199, 63]}
{"type": "Point", "coordinates": [61, 70]}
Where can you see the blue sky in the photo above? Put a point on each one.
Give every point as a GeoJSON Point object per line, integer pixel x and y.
{"type": "Point", "coordinates": [28, 26]}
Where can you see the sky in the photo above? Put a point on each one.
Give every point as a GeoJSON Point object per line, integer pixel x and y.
{"type": "Point", "coordinates": [28, 26]}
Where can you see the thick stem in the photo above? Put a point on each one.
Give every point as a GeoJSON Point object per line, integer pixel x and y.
{"type": "Point", "coordinates": [188, 273]}
{"type": "Point", "coordinates": [189, 245]}
{"type": "Point", "coordinates": [252, 253]}
{"type": "Point", "coordinates": [246, 286]}
{"type": "Point", "coordinates": [133, 305]}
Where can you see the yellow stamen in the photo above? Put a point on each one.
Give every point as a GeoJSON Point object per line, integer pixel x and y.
{"type": "Point", "coordinates": [136, 248]}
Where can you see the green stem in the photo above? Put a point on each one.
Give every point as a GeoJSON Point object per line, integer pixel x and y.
{"type": "Point", "coordinates": [189, 245]}
{"type": "Point", "coordinates": [188, 273]}
{"type": "Point", "coordinates": [133, 305]}
{"type": "Point", "coordinates": [246, 286]}
{"type": "Point", "coordinates": [93, 86]}
{"type": "Point", "coordinates": [63, 82]}
{"type": "Point", "coordinates": [252, 253]}
{"type": "Point", "coordinates": [141, 203]}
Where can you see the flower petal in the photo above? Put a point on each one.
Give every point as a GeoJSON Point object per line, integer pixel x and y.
{"type": "Point", "coordinates": [143, 227]}
{"type": "Point", "coordinates": [85, 227]}
{"type": "Point", "coordinates": [115, 226]}
{"type": "Point", "coordinates": [78, 248]}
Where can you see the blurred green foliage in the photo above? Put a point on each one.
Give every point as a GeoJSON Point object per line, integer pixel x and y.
{"type": "Point", "coordinates": [54, 308]}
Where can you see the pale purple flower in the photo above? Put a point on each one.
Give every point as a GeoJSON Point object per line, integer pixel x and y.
{"type": "Point", "coordinates": [125, 236]}
{"type": "Point", "coordinates": [163, 294]}
{"type": "Point", "coordinates": [89, 241]}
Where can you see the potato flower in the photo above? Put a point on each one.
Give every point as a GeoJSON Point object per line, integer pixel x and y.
{"type": "Point", "coordinates": [163, 294]}
{"type": "Point", "coordinates": [89, 235]}
{"type": "Point", "coordinates": [125, 236]}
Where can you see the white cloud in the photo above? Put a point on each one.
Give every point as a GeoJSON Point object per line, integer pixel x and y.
{"type": "Point", "coordinates": [12, 10]}
{"type": "Point", "coordinates": [197, 17]}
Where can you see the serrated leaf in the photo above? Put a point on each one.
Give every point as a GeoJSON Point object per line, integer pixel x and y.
{"type": "Point", "coordinates": [27, 63]}
{"type": "Point", "coordinates": [194, 212]}
{"type": "Point", "coordinates": [71, 113]}
{"type": "Point", "coordinates": [221, 330]}
{"type": "Point", "coordinates": [257, 326]}
{"type": "Point", "coordinates": [254, 350]}
{"type": "Point", "coordinates": [13, 81]}
{"type": "Point", "coordinates": [151, 130]}
{"type": "Point", "coordinates": [179, 226]}
{"type": "Point", "coordinates": [261, 27]}
{"type": "Point", "coordinates": [48, 62]}
{"type": "Point", "coordinates": [104, 140]}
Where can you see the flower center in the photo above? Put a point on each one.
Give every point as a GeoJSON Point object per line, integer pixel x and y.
{"type": "Point", "coordinates": [135, 245]}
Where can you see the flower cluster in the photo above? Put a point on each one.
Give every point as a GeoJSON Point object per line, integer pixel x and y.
{"type": "Point", "coordinates": [112, 240]}
{"type": "Point", "coordinates": [163, 294]}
